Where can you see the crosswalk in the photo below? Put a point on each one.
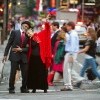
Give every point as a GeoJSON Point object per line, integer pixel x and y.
{"type": "Point", "coordinates": [10, 99]}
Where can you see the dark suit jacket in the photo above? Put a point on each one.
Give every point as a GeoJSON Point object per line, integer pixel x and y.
{"type": "Point", "coordinates": [54, 39]}
{"type": "Point", "coordinates": [15, 40]}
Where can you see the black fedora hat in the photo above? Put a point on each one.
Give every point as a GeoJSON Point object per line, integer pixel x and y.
{"type": "Point", "coordinates": [27, 22]}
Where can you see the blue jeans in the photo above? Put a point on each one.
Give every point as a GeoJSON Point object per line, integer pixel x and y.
{"type": "Point", "coordinates": [90, 63]}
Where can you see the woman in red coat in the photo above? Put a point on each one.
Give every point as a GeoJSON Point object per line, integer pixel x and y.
{"type": "Point", "coordinates": [39, 59]}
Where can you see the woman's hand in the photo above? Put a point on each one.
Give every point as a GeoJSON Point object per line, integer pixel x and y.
{"type": "Point", "coordinates": [46, 19]}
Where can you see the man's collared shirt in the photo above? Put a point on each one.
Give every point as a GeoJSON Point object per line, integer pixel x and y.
{"type": "Point", "coordinates": [72, 43]}
{"type": "Point", "coordinates": [54, 33]}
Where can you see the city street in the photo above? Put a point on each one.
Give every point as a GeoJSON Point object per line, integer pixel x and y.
{"type": "Point", "coordinates": [88, 91]}
{"type": "Point", "coordinates": [72, 95]}
{"type": "Point", "coordinates": [64, 16]}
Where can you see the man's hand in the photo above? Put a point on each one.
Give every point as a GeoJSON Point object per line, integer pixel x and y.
{"type": "Point", "coordinates": [70, 59]}
{"type": "Point", "coordinates": [18, 49]}
{"type": "Point", "coordinates": [4, 59]}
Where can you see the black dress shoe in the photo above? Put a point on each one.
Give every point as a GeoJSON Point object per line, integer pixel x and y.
{"type": "Point", "coordinates": [11, 91]}
{"type": "Point", "coordinates": [34, 91]}
{"type": "Point", "coordinates": [24, 91]}
{"type": "Point", "coordinates": [66, 89]}
{"type": "Point", "coordinates": [78, 85]}
{"type": "Point", "coordinates": [45, 91]}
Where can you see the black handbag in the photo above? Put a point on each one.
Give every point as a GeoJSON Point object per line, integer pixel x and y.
{"type": "Point", "coordinates": [90, 74]}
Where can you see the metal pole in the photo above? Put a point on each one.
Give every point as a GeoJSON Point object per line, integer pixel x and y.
{"type": "Point", "coordinates": [5, 21]}
{"type": "Point", "coordinates": [82, 10]}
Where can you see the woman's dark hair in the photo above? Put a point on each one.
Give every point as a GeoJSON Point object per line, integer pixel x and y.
{"type": "Point", "coordinates": [64, 29]}
{"type": "Point", "coordinates": [64, 24]}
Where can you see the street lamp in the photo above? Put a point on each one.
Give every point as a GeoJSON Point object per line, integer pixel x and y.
{"type": "Point", "coordinates": [18, 3]}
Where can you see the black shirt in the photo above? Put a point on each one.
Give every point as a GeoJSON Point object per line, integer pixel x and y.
{"type": "Point", "coordinates": [92, 49]}
{"type": "Point", "coordinates": [35, 48]}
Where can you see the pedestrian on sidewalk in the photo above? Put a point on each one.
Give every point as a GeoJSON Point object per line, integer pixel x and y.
{"type": "Point", "coordinates": [59, 51]}
{"type": "Point", "coordinates": [71, 49]}
{"type": "Point", "coordinates": [90, 53]}
{"type": "Point", "coordinates": [39, 59]}
{"type": "Point", "coordinates": [17, 44]}
{"type": "Point", "coordinates": [54, 34]}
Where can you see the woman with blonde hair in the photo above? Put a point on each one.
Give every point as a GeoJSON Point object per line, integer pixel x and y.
{"type": "Point", "coordinates": [58, 56]}
{"type": "Point", "coordinates": [90, 51]}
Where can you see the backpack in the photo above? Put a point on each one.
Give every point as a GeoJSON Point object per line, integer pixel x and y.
{"type": "Point", "coordinates": [90, 74]}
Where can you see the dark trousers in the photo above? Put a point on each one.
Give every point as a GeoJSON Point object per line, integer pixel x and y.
{"type": "Point", "coordinates": [14, 67]}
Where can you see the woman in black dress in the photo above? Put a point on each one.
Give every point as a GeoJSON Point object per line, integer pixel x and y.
{"type": "Point", "coordinates": [39, 59]}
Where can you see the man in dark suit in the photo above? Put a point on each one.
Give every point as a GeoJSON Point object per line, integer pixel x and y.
{"type": "Point", "coordinates": [17, 44]}
{"type": "Point", "coordinates": [55, 28]}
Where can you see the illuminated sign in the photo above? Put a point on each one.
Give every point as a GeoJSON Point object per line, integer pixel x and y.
{"type": "Point", "coordinates": [89, 2]}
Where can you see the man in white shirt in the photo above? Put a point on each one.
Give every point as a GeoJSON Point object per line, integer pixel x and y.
{"type": "Point", "coordinates": [71, 49]}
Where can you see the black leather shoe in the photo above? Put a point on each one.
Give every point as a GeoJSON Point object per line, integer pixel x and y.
{"type": "Point", "coordinates": [11, 91]}
{"type": "Point", "coordinates": [34, 91]}
{"type": "Point", "coordinates": [78, 85]}
{"type": "Point", "coordinates": [45, 91]}
{"type": "Point", "coordinates": [66, 89]}
{"type": "Point", "coordinates": [24, 91]}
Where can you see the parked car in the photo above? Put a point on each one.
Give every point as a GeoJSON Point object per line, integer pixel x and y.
{"type": "Point", "coordinates": [81, 30]}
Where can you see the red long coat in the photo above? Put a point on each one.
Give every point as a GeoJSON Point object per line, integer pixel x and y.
{"type": "Point", "coordinates": [44, 40]}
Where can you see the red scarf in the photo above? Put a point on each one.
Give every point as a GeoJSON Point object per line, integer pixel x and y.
{"type": "Point", "coordinates": [44, 40]}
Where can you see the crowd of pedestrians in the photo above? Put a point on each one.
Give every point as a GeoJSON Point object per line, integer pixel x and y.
{"type": "Point", "coordinates": [48, 55]}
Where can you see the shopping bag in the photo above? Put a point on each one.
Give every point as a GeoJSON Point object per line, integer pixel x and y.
{"type": "Point", "coordinates": [1, 70]}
